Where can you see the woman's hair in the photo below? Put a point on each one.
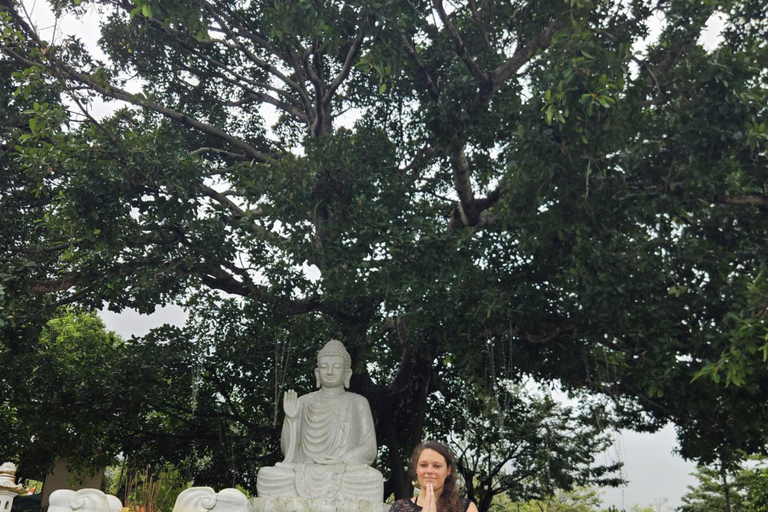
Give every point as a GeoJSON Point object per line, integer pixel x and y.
{"type": "Point", "coordinates": [449, 499]}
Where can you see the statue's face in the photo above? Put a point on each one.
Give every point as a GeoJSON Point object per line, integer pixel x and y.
{"type": "Point", "coordinates": [331, 371]}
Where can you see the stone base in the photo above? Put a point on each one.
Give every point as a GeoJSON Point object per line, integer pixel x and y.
{"type": "Point", "coordinates": [314, 505]}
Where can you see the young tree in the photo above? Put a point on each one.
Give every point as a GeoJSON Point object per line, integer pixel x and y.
{"type": "Point", "coordinates": [722, 488]}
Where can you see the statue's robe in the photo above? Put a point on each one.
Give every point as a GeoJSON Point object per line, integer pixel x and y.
{"type": "Point", "coordinates": [336, 425]}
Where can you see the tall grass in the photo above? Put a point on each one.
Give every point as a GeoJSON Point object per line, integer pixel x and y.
{"type": "Point", "coordinates": [145, 492]}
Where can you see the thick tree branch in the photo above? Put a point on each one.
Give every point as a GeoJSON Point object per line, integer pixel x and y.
{"type": "Point", "coordinates": [480, 27]}
{"type": "Point", "coordinates": [743, 200]}
{"type": "Point", "coordinates": [261, 97]}
{"type": "Point", "coordinates": [522, 55]}
{"type": "Point", "coordinates": [218, 279]}
{"type": "Point", "coordinates": [29, 32]}
{"type": "Point", "coordinates": [241, 272]}
{"type": "Point", "coordinates": [496, 469]}
{"type": "Point", "coordinates": [245, 217]}
{"type": "Point", "coordinates": [312, 65]}
{"type": "Point", "coordinates": [301, 306]}
{"type": "Point", "coordinates": [470, 209]}
{"type": "Point", "coordinates": [237, 80]}
{"type": "Point", "coordinates": [491, 199]}
{"type": "Point", "coordinates": [61, 284]}
{"type": "Point", "coordinates": [47, 249]}
{"type": "Point", "coordinates": [251, 96]}
{"type": "Point", "coordinates": [432, 89]}
{"type": "Point", "coordinates": [348, 63]}
{"type": "Point", "coordinates": [266, 66]}
{"type": "Point", "coordinates": [479, 76]}
{"type": "Point", "coordinates": [235, 20]}
{"type": "Point", "coordinates": [296, 64]}
{"type": "Point", "coordinates": [315, 68]}
{"type": "Point", "coordinates": [673, 55]}
{"type": "Point", "coordinates": [220, 152]}
{"type": "Point", "coordinates": [75, 279]}
{"type": "Point", "coordinates": [461, 179]}
{"type": "Point", "coordinates": [61, 70]}
{"type": "Point", "coordinates": [407, 359]}
{"type": "Point", "coordinates": [179, 35]}
{"type": "Point", "coordinates": [237, 77]}
{"type": "Point", "coordinates": [418, 163]}
{"type": "Point", "coordinates": [656, 73]}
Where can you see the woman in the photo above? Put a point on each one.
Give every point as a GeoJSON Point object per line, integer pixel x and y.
{"type": "Point", "coordinates": [432, 465]}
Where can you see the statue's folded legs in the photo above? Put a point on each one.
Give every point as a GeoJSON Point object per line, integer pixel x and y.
{"type": "Point", "coordinates": [315, 481]}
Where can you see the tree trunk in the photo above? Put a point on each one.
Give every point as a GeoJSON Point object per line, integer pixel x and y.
{"type": "Point", "coordinates": [399, 482]}
{"type": "Point", "coordinates": [484, 504]}
{"type": "Point", "coordinates": [726, 487]}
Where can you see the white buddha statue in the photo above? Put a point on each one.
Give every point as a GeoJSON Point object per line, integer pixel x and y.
{"type": "Point", "coordinates": [328, 439]}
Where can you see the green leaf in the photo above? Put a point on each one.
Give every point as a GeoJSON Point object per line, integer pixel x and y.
{"type": "Point", "coordinates": [549, 114]}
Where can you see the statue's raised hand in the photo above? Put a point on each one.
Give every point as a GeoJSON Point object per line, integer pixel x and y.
{"type": "Point", "coordinates": [291, 403]}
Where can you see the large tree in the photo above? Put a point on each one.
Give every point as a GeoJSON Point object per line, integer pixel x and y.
{"type": "Point", "coordinates": [468, 191]}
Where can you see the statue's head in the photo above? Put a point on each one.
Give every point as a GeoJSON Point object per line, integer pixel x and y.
{"type": "Point", "coordinates": [334, 366]}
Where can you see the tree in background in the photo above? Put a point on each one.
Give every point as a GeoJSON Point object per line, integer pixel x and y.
{"type": "Point", "coordinates": [524, 184]}
{"type": "Point", "coordinates": [724, 489]}
{"type": "Point", "coordinates": [584, 499]}
{"type": "Point", "coordinates": [576, 500]}
{"type": "Point", "coordinates": [525, 445]}
{"type": "Point", "coordinates": [65, 395]}
{"type": "Point", "coordinates": [758, 494]}
{"type": "Point", "coordinates": [84, 394]}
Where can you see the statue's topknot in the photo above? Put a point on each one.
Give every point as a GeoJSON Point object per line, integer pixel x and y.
{"type": "Point", "coordinates": [335, 348]}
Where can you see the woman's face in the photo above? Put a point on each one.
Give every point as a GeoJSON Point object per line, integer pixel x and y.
{"type": "Point", "coordinates": [432, 469]}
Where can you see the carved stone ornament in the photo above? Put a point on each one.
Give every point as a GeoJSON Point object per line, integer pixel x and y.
{"type": "Point", "coordinates": [205, 499]}
{"type": "Point", "coordinates": [8, 479]}
{"type": "Point", "coordinates": [8, 488]}
{"type": "Point", "coordinates": [84, 500]}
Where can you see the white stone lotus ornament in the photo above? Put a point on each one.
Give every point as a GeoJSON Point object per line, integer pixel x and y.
{"type": "Point", "coordinates": [114, 503]}
{"type": "Point", "coordinates": [205, 499]}
{"type": "Point", "coordinates": [84, 500]}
